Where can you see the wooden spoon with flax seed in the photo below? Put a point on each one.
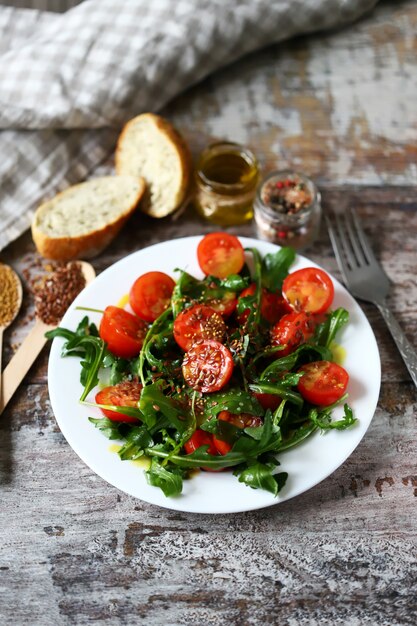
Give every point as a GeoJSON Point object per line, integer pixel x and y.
{"type": "Point", "coordinates": [11, 294]}
{"type": "Point", "coordinates": [31, 347]}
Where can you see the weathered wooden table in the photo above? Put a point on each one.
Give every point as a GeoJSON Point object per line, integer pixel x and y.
{"type": "Point", "coordinates": [74, 550]}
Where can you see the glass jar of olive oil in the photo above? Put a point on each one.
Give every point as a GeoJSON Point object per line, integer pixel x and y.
{"type": "Point", "coordinates": [226, 178]}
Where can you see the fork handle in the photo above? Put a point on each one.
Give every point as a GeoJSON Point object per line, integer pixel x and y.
{"type": "Point", "coordinates": [407, 351]}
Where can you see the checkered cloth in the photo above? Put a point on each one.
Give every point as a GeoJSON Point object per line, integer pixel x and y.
{"type": "Point", "coordinates": [68, 81]}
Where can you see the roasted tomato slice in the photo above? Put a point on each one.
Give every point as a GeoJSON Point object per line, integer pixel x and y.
{"type": "Point", "coordinates": [196, 323]}
{"type": "Point", "coordinates": [207, 366]}
{"type": "Point", "coordinates": [220, 254]}
{"type": "Point", "coordinates": [122, 394]}
{"type": "Point", "coordinates": [123, 332]}
{"type": "Point", "coordinates": [151, 295]}
{"type": "Point", "coordinates": [201, 438]}
{"type": "Point", "coordinates": [273, 305]}
{"type": "Point", "coordinates": [292, 330]}
{"type": "Point", "coordinates": [243, 420]}
{"type": "Point", "coordinates": [323, 382]}
{"type": "Point", "coordinates": [310, 290]}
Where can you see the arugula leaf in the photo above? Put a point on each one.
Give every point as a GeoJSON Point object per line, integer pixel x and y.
{"type": "Point", "coordinates": [186, 287]}
{"type": "Point", "coordinates": [137, 440]}
{"type": "Point", "coordinates": [119, 368]}
{"type": "Point", "coordinates": [252, 303]}
{"type": "Point", "coordinates": [234, 282]}
{"type": "Point", "coordinates": [130, 411]}
{"type": "Point", "coordinates": [306, 353]}
{"type": "Point", "coordinates": [283, 391]}
{"type": "Point", "coordinates": [327, 330]}
{"type": "Point", "coordinates": [234, 400]}
{"type": "Point", "coordinates": [290, 379]}
{"type": "Point", "coordinates": [94, 353]}
{"type": "Point", "coordinates": [108, 428]}
{"type": "Point", "coordinates": [260, 439]}
{"type": "Point", "coordinates": [259, 476]}
{"type": "Point", "coordinates": [275, 268]}
{"type": "Point", "coordinates": [169, 480]}
{"type": "Point", "coordinates": [223, 430]}
{"type": "Point", "coordinates": [156, 328]}
{"type": "Point", "coordinates": [297, 436]}
{"type": "Point", "coordinates": [189, 289]}
{"type": "Point", "coordinates": [83, 343]}
{"type": "Point", "coordinates": [244, 450]}
{"type": "Point", "coordinates": [323, 419]}
{"type": "Point", "coordinates": [152, 401]}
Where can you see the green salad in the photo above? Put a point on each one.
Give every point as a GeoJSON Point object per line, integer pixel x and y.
{"type": "Point", "coordinates": [218, 374]}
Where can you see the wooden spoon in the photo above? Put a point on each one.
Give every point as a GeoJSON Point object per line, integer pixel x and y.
{"type": "Point", "coordinates": [11, 317]}
{"type": "Point", "coordinates": [29, 350]}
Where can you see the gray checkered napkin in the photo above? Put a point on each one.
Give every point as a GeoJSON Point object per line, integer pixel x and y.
{"type": "Point", "coordinates": [69, 80]}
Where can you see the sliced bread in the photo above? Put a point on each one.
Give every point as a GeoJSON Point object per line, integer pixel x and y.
{"type": "Point", "coordinates": [149, 146]}
{"type": "Point", "coordinates": [82, 220]}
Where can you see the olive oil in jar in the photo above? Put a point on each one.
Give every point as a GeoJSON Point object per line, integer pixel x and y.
{"type": "Point", "coordinates": [226, 178]}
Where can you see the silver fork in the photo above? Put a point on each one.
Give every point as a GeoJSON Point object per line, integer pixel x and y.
{"type": "Point", "coordinates": [365, 278]}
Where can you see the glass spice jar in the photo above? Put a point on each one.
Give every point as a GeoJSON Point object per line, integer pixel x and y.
{"type": "Point", "coordinates": [288, 209]}
{"type": "Point", "coordinates": [226, 178]}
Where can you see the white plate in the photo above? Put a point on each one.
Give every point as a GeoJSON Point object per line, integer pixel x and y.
{"type": "Point", "coordinates": [307, 465]}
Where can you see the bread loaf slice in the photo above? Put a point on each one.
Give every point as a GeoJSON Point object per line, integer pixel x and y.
{"type": "Point", "coordinates": [149, 146]}
{"type": "Point", "coordinates": [82, 220]}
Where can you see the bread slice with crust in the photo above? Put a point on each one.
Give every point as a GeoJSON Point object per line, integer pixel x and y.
{"type": "Point", "coordinates": [149, 146]}
{"type": "Point", "coordinates": [82, 220]}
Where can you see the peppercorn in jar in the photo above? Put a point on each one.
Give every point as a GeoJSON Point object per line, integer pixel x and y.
{"type": "Point", "coordinates": [288, 209]}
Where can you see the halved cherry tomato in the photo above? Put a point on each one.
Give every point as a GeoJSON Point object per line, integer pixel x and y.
{"type": "Point", "coordinates": [122, 394]}
{"type": "Point", "coordinates": [207, 366]}
{"type": "Point", "coordinates": [123, 332]}
{"type": "Point", "coordinates": [310, 290]}
{"type": "Point", "coordinates": [220, 254]}
{"type": "Point", "coordinates": [323, 382]}
{"type": "Point", "coordinates": [225, 305]}
{"type": "Point", "coordinates": [201, 438]}
{"type": "Point", "coordinates": [151, 294]}
{"type": "Point", "coordinates": [196, 323]}
{"type": "Point", "coordinates": [268, 400]}
{"type": "Point", "coordinates": [292, 330]}
{"type": "Point", "coordinates": [243, 420]}
{"type": "Point", "coordinates": [273, 305]}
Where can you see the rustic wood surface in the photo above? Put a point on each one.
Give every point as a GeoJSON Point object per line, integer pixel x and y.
{"type": "Point", "coordinates": [74, 550]}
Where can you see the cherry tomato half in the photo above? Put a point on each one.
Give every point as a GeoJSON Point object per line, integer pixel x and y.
{"type": "Point", "coordinates": [292, 330]}
{"type": "Point", "coordinates": [123, 332]}
{"type": "Point", "coordinates": [220, 254]}
{"type": "Point", "coordinates": [243, 420]}
{"type": "Point", "coordinates": [273, 305]}
{"type": "Point", "coordinates": [268, 400]}
{"type": "Point", "coordinates": [323, 382]}
{"type": "Point", "coordinates": [201, 438]}
{"type": "Point", "coordinates": [225, 306]}
{"type": "Point", "coordinates": [151, 294]}
{"type": "Point", "coordinates": [310, 290]}
{"type": "Point", "coordinates": [196, 323]}
{"type": "Point", "coordinates": [122, 394]}
{"type": "Point", "coordinates": [207, 366]}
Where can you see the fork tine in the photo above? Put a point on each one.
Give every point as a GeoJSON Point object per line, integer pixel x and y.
{"type": "Point", "coordinates": [337, 248]}
{"type": "Point", "coordinates": [354, 239]}
{"type": "Point", "coordinates": [367, 250]}
{"type": "Point", "coordinates": [345, 243]}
